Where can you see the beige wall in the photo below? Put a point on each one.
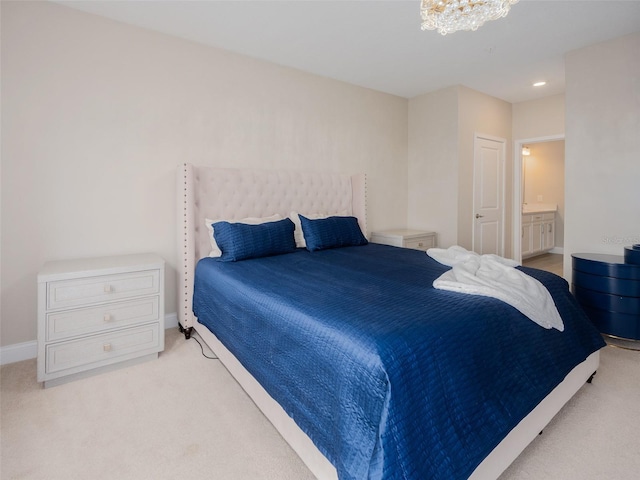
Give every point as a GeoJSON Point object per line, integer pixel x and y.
{"type": "Point", "coordinates": [538, 120]}
{"type": "Point", "coordinates": [544, 180]}
{"type": "Point", "coordinates": [602, 148]}
{"type": "Point", "coordinates": [433, 164]}
{"type": "Point", "coordinates": [543, 117]}
{"type": "Point", "coordinates": [442, 128]}
{"type": "Point", "coordinates": [481, 114]}
{"type": "Point", "coordinates": [96, 115]}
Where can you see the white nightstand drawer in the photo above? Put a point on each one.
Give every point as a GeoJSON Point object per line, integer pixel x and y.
{"type": "Point", "coordinates": [414, 239]}
{"type": "Point", "coordinates": [100, 349]}
{"type": "Point", "coordinates": [83, 321]}
{"type": "Point", "coordinates": [87, 291]}
{"type": "Point", "coordinates": [421, 244]}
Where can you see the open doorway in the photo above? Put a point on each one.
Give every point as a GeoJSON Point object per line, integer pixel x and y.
{"type": "Point", "coordinates": [539, 213]}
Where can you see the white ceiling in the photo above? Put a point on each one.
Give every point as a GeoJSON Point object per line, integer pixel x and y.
{"type": "Point", "coordinates": [379, 44]}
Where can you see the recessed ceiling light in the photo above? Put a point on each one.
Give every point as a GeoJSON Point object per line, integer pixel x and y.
{"type": "Point", "coordinates": [539, 84]}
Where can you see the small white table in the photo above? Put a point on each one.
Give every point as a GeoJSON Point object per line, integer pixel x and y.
{"type": "Point", "coordinates": [97, 314]}
{"type": "Point", "coordinates": [406, 238]}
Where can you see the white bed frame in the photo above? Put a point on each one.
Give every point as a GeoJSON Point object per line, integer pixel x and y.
{"type": "Point", "coordinates": [207, 192]}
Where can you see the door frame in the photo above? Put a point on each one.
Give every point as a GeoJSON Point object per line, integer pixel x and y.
{"type": "Point", "coordinates": [503, 181]}
{"type": "Point", "coordinates": [516, 243]}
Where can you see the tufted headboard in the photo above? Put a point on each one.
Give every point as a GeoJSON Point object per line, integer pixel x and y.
{"type": "Point", "coordinates": [233, 194]}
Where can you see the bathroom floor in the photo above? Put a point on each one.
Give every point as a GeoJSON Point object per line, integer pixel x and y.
{"type": "Point", "coordinates": [550, 262]}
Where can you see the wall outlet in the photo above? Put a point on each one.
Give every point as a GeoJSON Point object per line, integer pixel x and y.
{"type": "Point", "coordinates": [539, 198]}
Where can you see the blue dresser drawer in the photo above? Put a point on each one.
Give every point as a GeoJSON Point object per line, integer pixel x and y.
{"type": "Point", "coordinates": [605, 265]}
{"type": "Point", "coordinates": [608, 289]}
{"type": "Point", "coordinates": [607, 302]}
{"type": "Point", "coordinates": [632, 254]}
{"type": "Point", "coordinates": [612, 285]}
{"type": "Point", "coordinates": [616, 324]}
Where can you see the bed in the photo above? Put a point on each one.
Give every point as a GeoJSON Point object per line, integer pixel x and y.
{"type": "Point", "coordinates": [364, 368]}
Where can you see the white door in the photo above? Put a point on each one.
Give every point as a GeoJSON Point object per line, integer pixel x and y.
{"type": "Point", "coordinates": [488, 195]}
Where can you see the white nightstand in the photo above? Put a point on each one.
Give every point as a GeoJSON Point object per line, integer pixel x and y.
{"type": "Point", "coordinates": [98, 314]}
{"type": "Point", "coordinates": [415, 239]}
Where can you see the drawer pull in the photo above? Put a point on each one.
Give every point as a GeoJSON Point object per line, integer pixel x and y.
{"type": "Point", "coordinates": [420, 244]}
{"type": "Point", "coordinates": [106, 347]}
{"type": "Point", "coordinates": [108, 289]}
{"type": "Point", "coordinates": [107, 317]}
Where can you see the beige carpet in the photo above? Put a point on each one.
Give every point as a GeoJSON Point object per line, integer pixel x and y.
{"type": "Point", "coordinates": [140, 423]}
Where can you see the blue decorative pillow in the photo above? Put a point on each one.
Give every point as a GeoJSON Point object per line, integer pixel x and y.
{"type": "Point", "coordinates": [239, 241]}
{"type": "Point", "coordinates": [331, 232]}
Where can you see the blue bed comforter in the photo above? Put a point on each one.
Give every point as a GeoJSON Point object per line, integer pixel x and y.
{"type": "Point", "coordinates": [390, 378]}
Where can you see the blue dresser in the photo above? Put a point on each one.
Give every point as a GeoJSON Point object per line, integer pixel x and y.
{"type": "Point", "coordinates": [608, 288]}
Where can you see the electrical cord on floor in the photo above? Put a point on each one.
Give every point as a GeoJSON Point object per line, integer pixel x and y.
{"type": "Point", "coordinates": [202, 348]}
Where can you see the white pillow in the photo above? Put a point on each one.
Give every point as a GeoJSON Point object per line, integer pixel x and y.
{"type": "Point", "coordinates": [215, 250]}
{"type": "Point", "coordinates": [298, 234]}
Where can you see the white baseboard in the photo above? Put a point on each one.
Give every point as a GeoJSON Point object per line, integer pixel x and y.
{"type": "Point", "coordinates": [18, 352]}
{"type": "Point", "coordinates": [27, 350]}
{"type": "Point", "coordinates": [559, 250]}
{"type": "Point", "coordinates": [170, 320]}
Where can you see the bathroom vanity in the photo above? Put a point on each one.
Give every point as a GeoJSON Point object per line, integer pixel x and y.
{"type": "Point", "coordinates": [538, 229]}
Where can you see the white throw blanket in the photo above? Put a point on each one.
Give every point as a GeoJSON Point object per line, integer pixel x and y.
{"type": "Point", "coordinates": [495, 276]}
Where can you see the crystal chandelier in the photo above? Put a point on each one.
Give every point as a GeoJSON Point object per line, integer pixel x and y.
{"type": "Point", "coordinates": [448, 16]}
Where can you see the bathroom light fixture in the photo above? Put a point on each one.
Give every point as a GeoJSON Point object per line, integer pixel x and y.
{"type": "Point", "coordinates": [526, 151]}
{"type": "Point", "coordinates": [448, 16]}
{"type": "Point", "coordinates": [540, 84]}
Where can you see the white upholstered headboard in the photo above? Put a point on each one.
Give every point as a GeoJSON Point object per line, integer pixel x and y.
{"type": "Point", "coordinates": [233, 194]}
